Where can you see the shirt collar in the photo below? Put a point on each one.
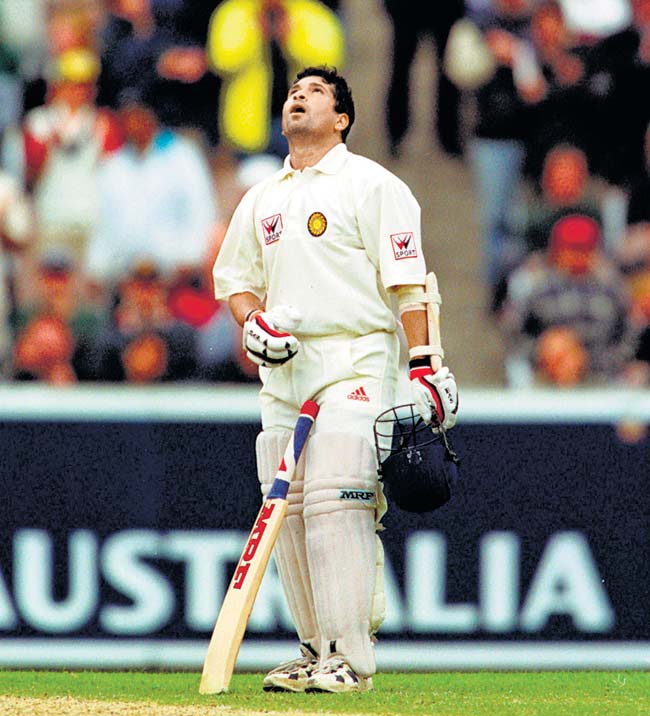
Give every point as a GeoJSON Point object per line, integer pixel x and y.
{"type": "Point", "coordinates": [331, 163]}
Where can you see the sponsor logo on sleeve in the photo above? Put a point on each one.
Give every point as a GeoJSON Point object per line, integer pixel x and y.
{"type": "Point", "coordinates": [404, 245]}
{"type": "Point", "coordinates": [272, 228]}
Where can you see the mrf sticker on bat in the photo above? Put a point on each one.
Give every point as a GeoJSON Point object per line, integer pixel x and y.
{"type": "Point", "coordinates": [272, 228]}
{"type": "Point", "coordinates": [253, 543]}
{"type": "Point", "coordinates": [404, 245]}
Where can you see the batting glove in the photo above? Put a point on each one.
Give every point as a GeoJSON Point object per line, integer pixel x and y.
{"type": "Point", "coordinates": [266, 336]}
{"type": "Point", "coordinates": [434, 391]}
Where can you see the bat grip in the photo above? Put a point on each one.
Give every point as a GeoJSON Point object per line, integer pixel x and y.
{"type": "Point", "coordinates": [308, 413]}
{"type": "Point", "coordinates": [280, 486]}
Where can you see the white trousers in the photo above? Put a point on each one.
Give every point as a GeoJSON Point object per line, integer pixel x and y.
{"type": "Point", "coordinates": [352, 379]}
{"type": "Point", "coordinates": [328, 536]}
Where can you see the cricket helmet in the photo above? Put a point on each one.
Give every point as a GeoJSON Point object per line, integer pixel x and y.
{"type": "Point", "coordinates": [417, 463]}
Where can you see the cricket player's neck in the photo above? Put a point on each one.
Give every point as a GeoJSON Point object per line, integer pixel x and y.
{"type": "Point", "coordinates": [303, 154]}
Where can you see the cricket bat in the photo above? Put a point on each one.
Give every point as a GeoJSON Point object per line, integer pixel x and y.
{"type": "Point", "coordinates": [238, 603]}
{"type": "Point", "coordinates": [433, 320]}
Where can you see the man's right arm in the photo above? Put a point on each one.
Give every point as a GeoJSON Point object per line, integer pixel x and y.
{"type": "Point", "coordinates": [244, 305]}
{"type": "Point", "coordinates": [239, 278]}
{"type": "Point", "coordinates": [238, 273]}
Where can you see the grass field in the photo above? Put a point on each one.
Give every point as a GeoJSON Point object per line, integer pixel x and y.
{"type": "Point", "coordinates": [32, 693]}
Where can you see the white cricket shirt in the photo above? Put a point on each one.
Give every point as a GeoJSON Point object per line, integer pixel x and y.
{"type": "Point", "coordinates": [330, 240]}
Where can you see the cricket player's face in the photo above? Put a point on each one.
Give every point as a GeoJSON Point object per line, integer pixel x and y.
{"type": "Point", "coordinates": [309, 109]}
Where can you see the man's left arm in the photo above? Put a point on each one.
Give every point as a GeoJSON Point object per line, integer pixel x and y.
{"type": "Point", "coordinates": [433, 386]}
{"type": "Point", "coordinates": [389, 223]}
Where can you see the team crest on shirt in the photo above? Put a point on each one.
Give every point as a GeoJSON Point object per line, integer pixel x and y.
{"type": "Point", "coordinates": [317, 223]}
{"type": "Point", "coordinates": [404, 245]}
{"type": "Point", "coordinates": [272, 228]}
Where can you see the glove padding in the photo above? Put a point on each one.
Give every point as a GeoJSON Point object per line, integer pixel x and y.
{"type": "Point", "coordinates": [434, 391]}
{"type": "Point", "coordinates": [267, 339]}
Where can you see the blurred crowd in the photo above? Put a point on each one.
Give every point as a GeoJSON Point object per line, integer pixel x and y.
{"type": "Point", "coordinates": [129, 129]}
{"type": "Point", "coordinates": [559, 150]}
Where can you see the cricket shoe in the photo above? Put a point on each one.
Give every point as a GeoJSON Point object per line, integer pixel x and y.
{"type": "Point", "coordinates": [336, 676]}
{"type": "Point", "coordinates": [292, 675]}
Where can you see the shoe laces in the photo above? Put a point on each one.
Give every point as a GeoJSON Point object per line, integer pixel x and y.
{"type": "Point", "coordinates": [305, 661]}
{"type": "Point", "coordinates": [333, 664]}
{"type": "Point", "coordinates": [301, 662]}
{"type": "Point", "coordinates": [308, 657]}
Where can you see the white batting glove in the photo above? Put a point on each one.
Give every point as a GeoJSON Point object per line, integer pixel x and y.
{"type": "Point", "coordinates": [267, 338]}
{"type": "Point", "coordinates": [434, 391]}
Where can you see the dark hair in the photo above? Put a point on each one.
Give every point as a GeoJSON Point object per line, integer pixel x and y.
{"type": "Point", "coordinates": [344, 104]}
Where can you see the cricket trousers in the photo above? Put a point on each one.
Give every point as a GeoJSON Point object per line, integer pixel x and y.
{"type": "Point", "coordinates": [336, 505]}
{"type": "Point", "coordinates": [353, 379]}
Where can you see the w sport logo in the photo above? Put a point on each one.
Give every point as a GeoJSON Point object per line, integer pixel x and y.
{"type": "Point", "coordinates": [272, 228]}
{"type": "Point", "coordinates": [404, 245]}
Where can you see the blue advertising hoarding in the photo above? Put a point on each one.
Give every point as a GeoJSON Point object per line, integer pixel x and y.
{"type": "Point", "coordinates": [125, 512]}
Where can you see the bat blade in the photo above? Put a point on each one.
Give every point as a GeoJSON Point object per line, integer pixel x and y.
{"type": "Point", "coordinates": [239, 600]}
{"type": "Point", "coordinates": [238, 603]}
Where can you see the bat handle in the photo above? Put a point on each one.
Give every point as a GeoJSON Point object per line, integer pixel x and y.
{"type": "Point", "coordinates": [308, 413]}
{"type": "Point", "coordinates": [284, 475]}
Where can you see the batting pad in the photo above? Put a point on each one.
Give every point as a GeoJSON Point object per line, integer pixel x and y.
{"type": "Point", "coordinates": [341, 490]}
{"type": "Point", "coordinates": [290, 551]}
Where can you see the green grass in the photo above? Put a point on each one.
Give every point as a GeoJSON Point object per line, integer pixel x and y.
{"type": "Point", "coordinates": [436, 694]}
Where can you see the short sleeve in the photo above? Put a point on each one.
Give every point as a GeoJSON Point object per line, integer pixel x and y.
{"type": "Point", "coordinates": [238, 267]}
{"type": "Point", "coordinates": [389, 222]}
